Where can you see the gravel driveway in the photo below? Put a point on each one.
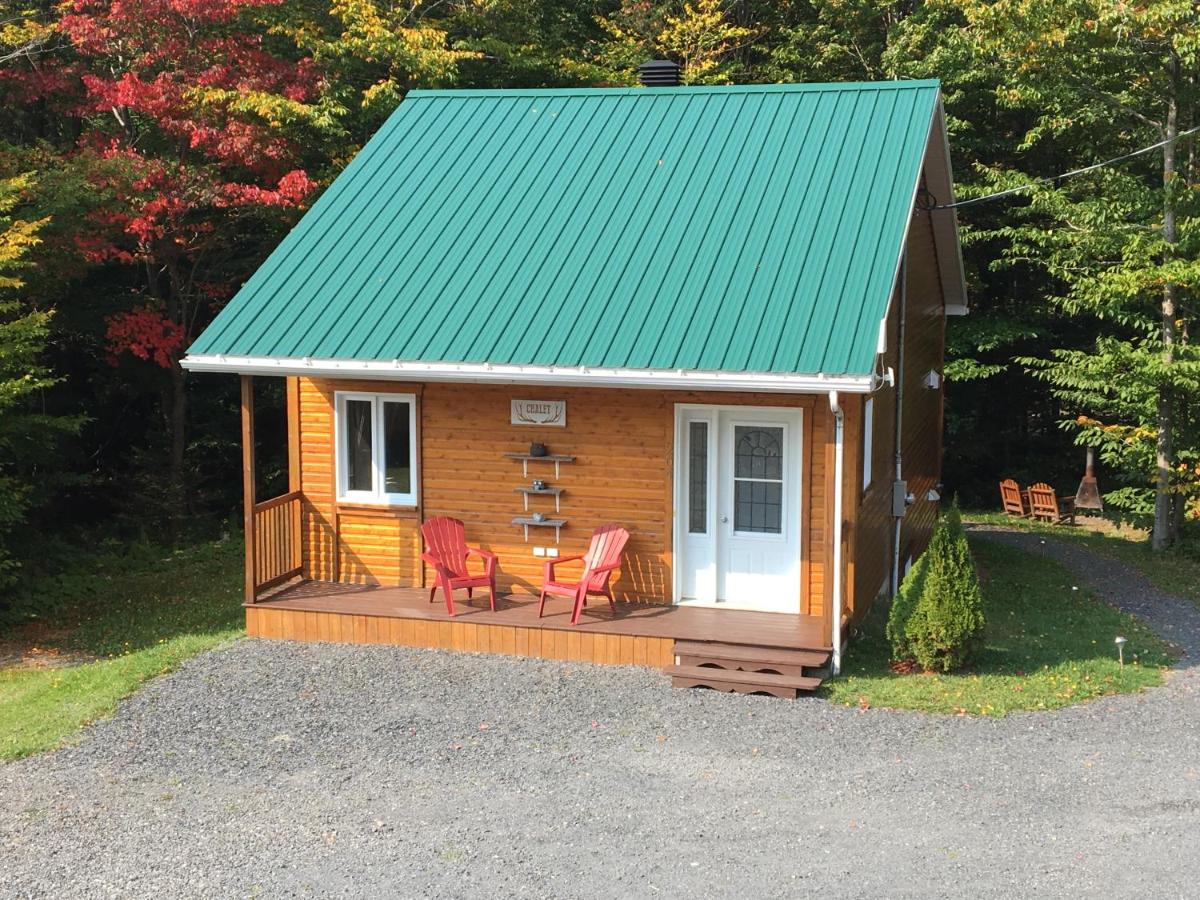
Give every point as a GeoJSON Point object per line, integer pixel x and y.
{"type": "Point", "coordinates": [281, 769]}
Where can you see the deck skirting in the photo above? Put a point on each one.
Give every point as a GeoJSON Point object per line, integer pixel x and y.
{"type": "Point", "coordinates": [471, 637]}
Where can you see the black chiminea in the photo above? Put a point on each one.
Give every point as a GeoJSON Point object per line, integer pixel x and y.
{"type": "Point", "coordinates": [658, 73]}
{"type": "Point", "coordinates": [1088, 495]}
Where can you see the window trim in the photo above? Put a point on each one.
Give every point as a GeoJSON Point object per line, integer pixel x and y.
{"type": "Point", "coordinates": [868, 443]}
{"type": "Point", "coordinates": [376, 496]}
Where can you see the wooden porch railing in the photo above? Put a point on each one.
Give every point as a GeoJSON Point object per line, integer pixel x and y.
{"type": "Point", "coordinates": [276, 541]}
{"type": "Point", "coordinates": [272, 527]}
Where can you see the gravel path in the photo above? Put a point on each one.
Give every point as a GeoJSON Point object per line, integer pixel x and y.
{"type": "Point", "coordinates": [280, 769]}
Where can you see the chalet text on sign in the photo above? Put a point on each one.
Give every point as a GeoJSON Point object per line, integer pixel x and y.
{"type": "Point", "coordinates": [540, 412]}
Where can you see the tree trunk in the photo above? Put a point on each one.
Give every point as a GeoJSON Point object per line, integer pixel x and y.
{"type": "Point", "coordinates": [1165, 524]}
{"type": "Point", "coordinates": [178, 419]}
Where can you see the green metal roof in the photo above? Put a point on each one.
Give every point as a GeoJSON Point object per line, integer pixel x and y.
{"type": "Point", "coordinates": [718, 229]}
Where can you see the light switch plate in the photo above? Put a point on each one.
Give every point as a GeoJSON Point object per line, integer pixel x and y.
{"type": "Point", "coordinates": [539, 551]}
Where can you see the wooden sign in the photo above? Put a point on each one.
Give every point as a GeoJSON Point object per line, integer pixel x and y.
{"type": "Point", "coordinates": [540, 412]}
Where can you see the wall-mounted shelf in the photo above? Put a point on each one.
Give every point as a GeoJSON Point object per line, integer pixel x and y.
{"type": "Point", "coordinates": [526, 459]}
{"type": "Point", "coordinates": [530, 522]}
{"type": "Point", "coordinates": [544, 492]}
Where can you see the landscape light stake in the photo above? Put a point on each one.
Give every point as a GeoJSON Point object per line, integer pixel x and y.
{"type": "Point", "coordinates": [1120, 642]}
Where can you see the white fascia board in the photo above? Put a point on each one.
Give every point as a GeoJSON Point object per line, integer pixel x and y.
{"type": "Point", "coordinates": [947, 246]}
{"type": "Point", "coordinates": [945, 223]}
{"type": "Point", "coordinates": [881, 344]}
{"type": "Point", "coordinates": [541, 375]}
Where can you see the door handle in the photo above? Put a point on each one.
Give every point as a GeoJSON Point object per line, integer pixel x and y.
{"type": "Point", "coordinates": [724, 519]}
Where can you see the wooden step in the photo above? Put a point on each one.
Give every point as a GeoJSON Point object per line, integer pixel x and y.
{"type": "Point", "coordinates": [747, 657]}
{"type": "Point", "coordinates": [736, 681]}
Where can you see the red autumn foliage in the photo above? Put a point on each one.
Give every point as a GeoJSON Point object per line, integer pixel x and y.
{"type": "Point", "coordinates": [147, 334]}
{"type": "Point", "coordinates": [182, 140]}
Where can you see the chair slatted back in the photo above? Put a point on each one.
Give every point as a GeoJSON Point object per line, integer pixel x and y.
{"type": "Point", "coordinates": [1011, 499]}
{"type": "Point", "coordinates": [608, 543]}
{"type": "Point", "coordinates": [1044, 501]}
{"type": "Point", "coordinates": [446, 541]}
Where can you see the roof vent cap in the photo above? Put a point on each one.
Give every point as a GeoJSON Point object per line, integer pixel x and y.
{"type": "Point", "coordinates": [658, 73]}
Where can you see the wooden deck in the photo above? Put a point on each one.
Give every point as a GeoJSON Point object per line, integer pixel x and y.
{"type": "Point", "coordinates": [637, 634]}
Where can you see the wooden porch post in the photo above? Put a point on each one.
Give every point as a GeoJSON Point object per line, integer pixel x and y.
{"type": "Point", "coordinates": [293, 421]}
{"type": "Point", "coordinates": [248, 485]}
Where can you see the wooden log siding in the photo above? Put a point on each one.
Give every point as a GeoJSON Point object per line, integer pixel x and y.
{"type": "Point", "coordinates": [872, 520]}
{"type": "Point", "coordinates": [623, 444]}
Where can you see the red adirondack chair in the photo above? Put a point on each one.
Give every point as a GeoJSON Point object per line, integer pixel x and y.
{"type": "Point", "coordinates": [601, 560]}
{"type": "Point", "coordinates": [447, 551]}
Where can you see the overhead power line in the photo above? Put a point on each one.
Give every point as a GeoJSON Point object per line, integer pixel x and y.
{"type": "Point", "coordinates": [1056, 178]}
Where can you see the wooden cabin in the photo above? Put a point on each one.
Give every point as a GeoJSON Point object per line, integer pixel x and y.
{"type": "Point", "coordinates": [720, 311]}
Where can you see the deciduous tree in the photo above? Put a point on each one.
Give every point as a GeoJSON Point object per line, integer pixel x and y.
{"type": "Point", "coordinates": [27, 435]}
{"type": "Point", "coordinates": [1120, 246]}
{"type": "Point", "coordinates": [193, 122]}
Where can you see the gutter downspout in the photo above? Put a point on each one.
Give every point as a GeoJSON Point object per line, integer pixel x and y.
{"type": "Point", "coordinates": [899, 433]}
{"type": "Point", "coordinates": [839, 420]}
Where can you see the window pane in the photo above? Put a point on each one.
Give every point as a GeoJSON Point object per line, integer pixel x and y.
{"type": "Point", "coordinates": [698, 477]}
{"type": "Point", "coordinates": [758, 506]}
{"type": "Point", "coordinates": [759, 452]}
{"type": "Point", "coordinates": [358, 446]}
{"type": "Point", "coordinates": [397, 452]}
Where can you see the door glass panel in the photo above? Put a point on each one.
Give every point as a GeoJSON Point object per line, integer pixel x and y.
{"type": "Point", "coordinates": [759, 452]}
{"type": "Point", "coordinates": [758, 506]}
{"type": "Point", "coordinates": [397, 450]}
{"type": "Point", "coordinates": [697, 477]}
{"type": "Point", "coordinates": [359, 475]}
{"type": "Point", "coordinates": [758, 479]}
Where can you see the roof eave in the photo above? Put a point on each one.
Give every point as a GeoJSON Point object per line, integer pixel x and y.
{"type": "Point", "coordinates": [940, 182]}
{"type": "Point", "coordinates": [561, 376]}
{"type": "Point", "coordinates": [939, 178]}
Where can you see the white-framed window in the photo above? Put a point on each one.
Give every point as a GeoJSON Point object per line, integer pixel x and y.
{"type": "Point", "coordinates": [376, 448]}
{"type": "Point", "coordinates": [868, 441]}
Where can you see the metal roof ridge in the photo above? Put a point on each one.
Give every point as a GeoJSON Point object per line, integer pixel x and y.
{"type": "Point", "coordinates": [639, 90]}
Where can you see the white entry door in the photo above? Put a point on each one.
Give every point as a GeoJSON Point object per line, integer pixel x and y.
{"type": "Point", "coordinates": [737, 522]}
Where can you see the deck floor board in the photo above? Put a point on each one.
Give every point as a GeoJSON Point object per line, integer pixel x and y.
{"type": "Point", "coordinates": [684, 623]}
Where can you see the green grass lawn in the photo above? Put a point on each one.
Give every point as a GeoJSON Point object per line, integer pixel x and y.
{"type": "Point", "coordinates": [1047, 645]}
{"type": "Point", "coordinates": [138, 614]}
{"type": "Point", "coordinates": [1177, 571]}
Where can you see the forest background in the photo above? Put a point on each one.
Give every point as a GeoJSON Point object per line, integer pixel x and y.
{"type": "Point", "coordinates": [153, 152]}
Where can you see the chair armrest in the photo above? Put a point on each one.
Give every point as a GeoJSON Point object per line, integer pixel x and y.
{"type": "Point", "coordinates": [486, 555]}
{"type": "Point", "coordinates": [438, 565]}
{"type": "Point", "coordinates": [548, 569]}
{"type": "Point", "coordinates": [489, 560]}
{"type": "Point", "coordinates": [611, 568]}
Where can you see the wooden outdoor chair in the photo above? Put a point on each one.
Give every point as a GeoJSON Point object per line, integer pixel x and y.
{"type": "Point", "coordinates": [1012, 499]}
{"type": "Point", "coordinates": [1045, 505]}
{"type": "Point", "coordinates": [601, 560]}
{"type": "Point", "coordinates": [447, 551]}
